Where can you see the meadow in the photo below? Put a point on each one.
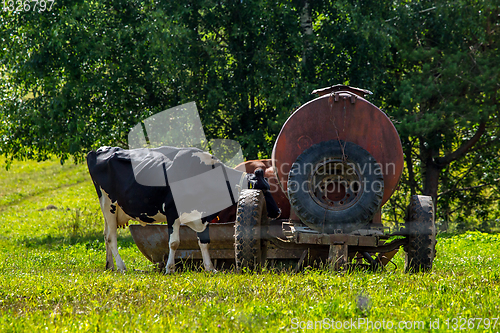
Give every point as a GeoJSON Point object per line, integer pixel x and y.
{"type": "Point", "coordinates": [52, 277]}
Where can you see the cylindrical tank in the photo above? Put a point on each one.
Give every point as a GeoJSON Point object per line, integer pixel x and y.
{"type": "Point", "coordinates": [345, 119]}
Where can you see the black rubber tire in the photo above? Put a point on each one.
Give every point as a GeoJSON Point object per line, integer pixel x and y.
{"type": "Point", "coordinates": [365, 202]}
{"type": "Point", "coordinates": [421, 229]}
{"type": "Point", "coordinates": [250, 215]}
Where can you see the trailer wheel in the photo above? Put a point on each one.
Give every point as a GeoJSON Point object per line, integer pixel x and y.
{"type": "Point", "coordinates": [247, 235]}
{"type": "Point", "coordinates": [421, 229]}
{"type": "Point", "coordinates": [335, 185]}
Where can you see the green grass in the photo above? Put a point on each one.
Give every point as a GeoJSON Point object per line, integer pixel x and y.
{"type": "Point", "coordinates": [52, 276]}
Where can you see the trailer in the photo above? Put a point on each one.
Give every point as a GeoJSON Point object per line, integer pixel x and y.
{"type": "Point", "coordinates": [337, 160]}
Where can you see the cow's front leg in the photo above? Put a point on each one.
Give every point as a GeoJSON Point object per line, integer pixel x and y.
{"type": "Point", "coordinates": [173, 244]}
{"type": "Point", "coordinates": [203, 242]}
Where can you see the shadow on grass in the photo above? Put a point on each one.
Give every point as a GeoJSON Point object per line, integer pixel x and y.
{"type": "Point", "coordinates": [19, 198]}
{"type": "Point", "coordinates": [93, 240]}
{"type": "Point", "coordinates": [445, 235]}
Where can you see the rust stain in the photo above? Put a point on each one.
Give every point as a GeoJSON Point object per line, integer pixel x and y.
{"type": "Point", "coordinates": [304, 142]}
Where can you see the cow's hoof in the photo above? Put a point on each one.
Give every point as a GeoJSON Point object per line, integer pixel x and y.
{"type": "Point", "coordinates": [170, 269]}
{"type": "Point", "coordinates": [211, 270]}
{"type": "Point", "coordinates": [121, 268]}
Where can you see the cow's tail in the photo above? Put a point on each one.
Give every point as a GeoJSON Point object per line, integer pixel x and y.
{"type": "Point", "coordinates": [91, 158]}
{"type": "Point", "coordinates": [91, 164]}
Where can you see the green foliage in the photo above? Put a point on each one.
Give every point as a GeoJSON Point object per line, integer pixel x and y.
{"type": "Point", "coordinates": [80, 76]}
{"type": "Point", "coordinates": [53, 279]}
{"type": "Point", "coordinates": [87, 72]}
{"type": "Point", "coordinates": [449, 58]}
{"type": "Point", "coordinates": [446, 103]}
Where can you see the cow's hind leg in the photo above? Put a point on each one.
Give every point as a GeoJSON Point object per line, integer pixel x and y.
{"type": "Point", "coordinates": [203, 242]}
{"type": "Point", "coordinates": [173, 244]}
{"type": "Point", "coordinates": [110, 264]}
{"type": "Point", "coordinates": [110, 234]}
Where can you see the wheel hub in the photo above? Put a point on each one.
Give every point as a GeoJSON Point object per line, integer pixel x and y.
{"type": "Point", "coordinates": [336, 184]}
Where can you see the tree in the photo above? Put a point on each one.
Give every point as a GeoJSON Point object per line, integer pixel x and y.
{"type": "Point", "coordinates": [448, 72]}
{"type": "Point", "coordinates": [434, 68]}
{"type": "Point", "coordinates": [83, 74]}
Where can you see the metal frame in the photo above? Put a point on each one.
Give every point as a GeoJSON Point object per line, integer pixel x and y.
{"type": "Point", "coordinates": [284, 240]}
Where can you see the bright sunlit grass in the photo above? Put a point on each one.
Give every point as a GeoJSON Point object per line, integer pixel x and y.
{"type": "Point", "coordinates": [52, 276]}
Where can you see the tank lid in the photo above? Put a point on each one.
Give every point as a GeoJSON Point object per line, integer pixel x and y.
{"type": "Point", "coordinates": [341, 87]}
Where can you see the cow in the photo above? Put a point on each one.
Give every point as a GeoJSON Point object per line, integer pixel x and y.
{"type": "Point", "coordinates": [138, 185]}
{"type": "Point", "coordinates": [160, 185]}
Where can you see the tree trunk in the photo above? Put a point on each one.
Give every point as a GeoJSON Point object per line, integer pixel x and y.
{"type": "Point", "coordinates": [431, 172]}
{"type": "Point", "coordinates": [432, 164]}
{"type": "Point", "coordinates": [307, 33]}
{"type": "Point", "coordinates": [409, 165]}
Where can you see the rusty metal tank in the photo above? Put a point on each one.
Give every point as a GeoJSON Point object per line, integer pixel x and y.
{"type": "Point", "coordinates": [340, 117]}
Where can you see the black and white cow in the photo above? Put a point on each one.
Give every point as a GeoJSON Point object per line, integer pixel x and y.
{"type": "Point", "coordinates": [145, 184]}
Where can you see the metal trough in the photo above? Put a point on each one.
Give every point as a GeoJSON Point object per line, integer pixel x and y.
{"type": "Point", "coordinates": [152, 241]}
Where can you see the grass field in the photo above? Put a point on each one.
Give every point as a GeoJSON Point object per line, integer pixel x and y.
{"type": "Point", "coordinates": [52, 278]}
